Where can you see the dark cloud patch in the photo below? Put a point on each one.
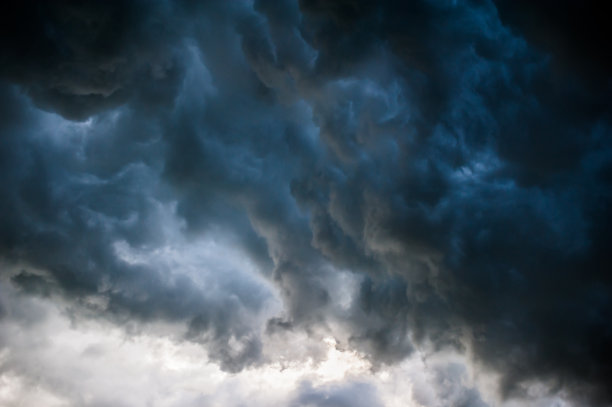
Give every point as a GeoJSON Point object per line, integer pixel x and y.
{"type": "Point", "coordinates": [78, 59]}
{"type": "Point", "coordinates": [32, 283]}
{"type": "Point", "coordinates": [575, 33]}
{"type": "Point", "coordinates": [492, 152]}
{"type": "Point", "coordinates": [426, 147]}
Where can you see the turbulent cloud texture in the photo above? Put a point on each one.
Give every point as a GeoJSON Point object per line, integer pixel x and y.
{"type": "Point", "coordinates": [272, 184]}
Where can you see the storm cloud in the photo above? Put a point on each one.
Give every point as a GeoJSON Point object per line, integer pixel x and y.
{"type": "Point", "coordinates": [411, 179]}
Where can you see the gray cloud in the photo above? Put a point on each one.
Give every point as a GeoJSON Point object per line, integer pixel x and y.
{"type": "Point", "coordinates": [427, 147]}
{"type": "Point", "coordinates": [351, 394]}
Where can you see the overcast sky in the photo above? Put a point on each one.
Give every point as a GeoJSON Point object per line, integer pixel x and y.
{"type": "Point", "coordinates": [313, 203]}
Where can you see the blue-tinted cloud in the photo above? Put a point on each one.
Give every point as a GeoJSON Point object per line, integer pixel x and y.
{"type": "Point", "coordinates": [440, 151]}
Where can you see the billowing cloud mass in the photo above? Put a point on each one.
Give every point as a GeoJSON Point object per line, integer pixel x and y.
{"type": "Point", "coordinates": [305, 203]}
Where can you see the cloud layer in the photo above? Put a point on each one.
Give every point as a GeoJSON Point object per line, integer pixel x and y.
{"type": "Point", "coordinates": [430, 177]}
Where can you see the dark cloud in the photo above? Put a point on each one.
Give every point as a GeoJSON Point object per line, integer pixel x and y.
{"type": "Point", "coordinates": [432, 148]}
{"type": "Point", "coordinates": [484, 213]}
{"type": "Point", "coordinates": [78, 59]}
{"type": "Point", "coordinates": [66, 211]}
{"type": "Point", "coordinates": [575, 33]}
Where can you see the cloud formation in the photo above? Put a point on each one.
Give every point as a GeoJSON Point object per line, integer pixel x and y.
{"type": "Point", "coordinates": [431, 176]}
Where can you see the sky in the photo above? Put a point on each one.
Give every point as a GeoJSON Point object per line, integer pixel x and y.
{"type": "Point", "coordinates": [313, 203]}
